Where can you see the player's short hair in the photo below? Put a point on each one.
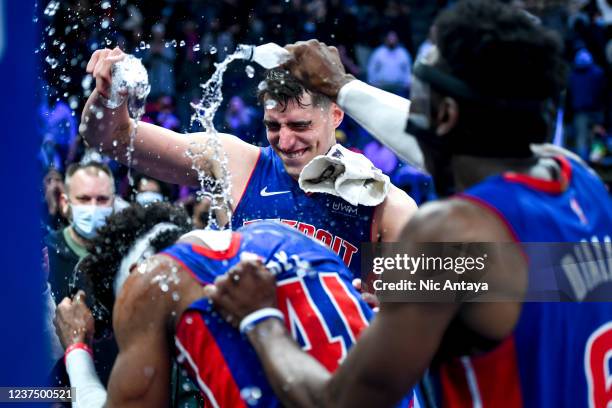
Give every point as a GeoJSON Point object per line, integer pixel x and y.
{"type": "Point", "coordinates": [501, 51]}
{"type": "Point", "coordinates": [113, 243]}
{"type": "Point", "coordinates": [282, 87]}
{"type": "Point", "coordinates": [92, 167]}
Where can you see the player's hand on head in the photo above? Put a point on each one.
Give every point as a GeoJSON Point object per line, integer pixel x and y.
{"type": "Point", "coordinates": [247, 287]}
{"type": "Point", "coordinates": [100, 65]}
{"type": "Point", "coordinates": [317, 66]}
{"type": "Point", "coordinates": [73, 321]}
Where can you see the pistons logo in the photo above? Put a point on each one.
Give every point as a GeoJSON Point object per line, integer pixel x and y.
{"type": "Point", "coordinates": [598, 367]}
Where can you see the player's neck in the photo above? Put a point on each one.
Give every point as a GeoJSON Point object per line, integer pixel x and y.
{"type": "Point", "coordinates": [469, 170]}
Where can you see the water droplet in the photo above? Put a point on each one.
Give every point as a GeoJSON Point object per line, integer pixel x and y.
{"type": "Point", "coordinates": [86, 82]}
{"type": "Point", "coordinates": [35, 20]}
{"type": "Point", "coordinates": [213, 50]}
{"type": "Point", "coordinates": [62, 46]}
{"type": "Point", "coordinates": [142, 45]}
{"type": "Point", "coordinates": [65, 78]}
{"type": "Point", "coordinates": [186, 387]}
{"type": "Point", "coordinates": [196, 47]}
{"type": "Point", "coordinates": [182, 43]}
{"type": "Point", "coordinates": [51, 32]}
{"type": "Point", "coordinates": [99, 114]}
{"type": "Point", "coordinates": [164, 287]}
{"type": "Point", "coordinates": [278, 26]}
{"type": "Point", "coordinates": [52, 8]}
{"type": "Point", "coordinates": [51, 61]}
{"type": "Point", "coordinates": [175, 296]}
{"type": "Point", "coordinates": [250, 395]}
{"type": "Point", "coordinates": [173, 43]}
{"type": "Point", "coordinates": [73, 101]}
{"type": "Point", "coordinates": [250, 71]}
{"type": "Point", "coordinates": [270, 104]}
{"type": "Point", "coordinates": [105, 23]}
{"type": "Point", "coordinates": [188, 320]}
{"type": "Point", "coordinates": [115, 143]}
{"type": "Point", "coordinates": [106, 5]}
{"type": "Point", "coordinates": [262, 86]}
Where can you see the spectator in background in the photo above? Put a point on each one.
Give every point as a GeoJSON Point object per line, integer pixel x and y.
{"type": "Point", "coordinates": [58, 127]}
{"type": "Point", "coordinates": [240, 120]}
{"type": "Point", "coordinates": [149, 190]}
{"type": "Point", "coordinates": [159, 61]}
{"type": "Point", "coordinates": [88, 200]}
{"type": "Point", "coordinates": [53, 218]}
{"type": "Point", "coordinates": [162, 114]}
{"type": "Point", "coordinates": [390, 66]}
{"type": "Point", "coordinates": [587, 91]}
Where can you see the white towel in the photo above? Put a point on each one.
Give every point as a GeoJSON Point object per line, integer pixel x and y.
{"type": "Point", "coordinates": [345, 174]}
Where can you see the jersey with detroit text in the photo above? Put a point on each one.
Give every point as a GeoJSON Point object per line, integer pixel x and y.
{"type": "Point", "coordinates": [271, 194]}
{"type": "Point", "coordinates": [560, 354]}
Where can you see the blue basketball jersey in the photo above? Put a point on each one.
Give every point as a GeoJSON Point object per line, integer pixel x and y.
{"type": "Point", "coordinates": [560, 354]}
{"type": "Point", "coordinates": [322, 311]}
{"type": "Point", "coordinates": [271, 194]}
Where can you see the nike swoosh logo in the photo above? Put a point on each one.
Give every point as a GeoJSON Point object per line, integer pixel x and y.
{"type": "Point", "coordinates": [265, 193]}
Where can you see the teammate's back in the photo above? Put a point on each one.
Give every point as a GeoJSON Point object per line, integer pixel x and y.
{"type": "Point", "coordinates": [321, 309]}
{"type": "Point", "coordinates": [559, 354]}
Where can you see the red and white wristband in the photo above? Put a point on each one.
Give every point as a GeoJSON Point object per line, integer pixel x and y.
{"type": "Point", "coordinates": [77, 346]}
{"type": "Point", "coordinates": [251, 320]}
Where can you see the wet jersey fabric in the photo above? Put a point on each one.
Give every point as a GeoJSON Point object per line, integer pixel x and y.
{"type": "Point", "coordinates": [271, 194]}
{"type": "Point", "coordinates": [322, 311]}
{"type": "Point", "coordinates": [560, 354]}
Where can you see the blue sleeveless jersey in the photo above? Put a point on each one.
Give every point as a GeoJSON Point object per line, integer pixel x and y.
{"type": "Point", "coordinates": [271, 194]}
{"type": "Point", "coordinates": [560, 354]}
{"type": "Point", "coordinates": [322, 310]}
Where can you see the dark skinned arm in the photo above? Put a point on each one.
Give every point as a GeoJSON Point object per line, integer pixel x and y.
{"type": "Point", "coordinates": [393, 353]}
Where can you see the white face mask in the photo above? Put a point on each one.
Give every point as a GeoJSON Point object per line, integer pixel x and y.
{"type": "Point", "coordinates": [148, 197]}
{"type": "Point", "coordinates": [86, 219]}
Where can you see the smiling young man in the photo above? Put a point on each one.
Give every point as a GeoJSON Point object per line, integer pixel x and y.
{"type": "Point", "coordinates": [300, 126]}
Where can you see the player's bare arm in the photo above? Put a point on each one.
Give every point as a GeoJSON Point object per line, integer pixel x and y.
{"type": "Point", "coordinates": [159, 152]}
{"type": "Point", "coordinates": [144, 318]}
{"type": "Point", "coordinates": [380, 369]}
{"type": "Point", "coordinates": [392, 216]}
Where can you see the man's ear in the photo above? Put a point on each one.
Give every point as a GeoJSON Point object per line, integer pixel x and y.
{"type": "Point", "coordinates": [64, 206]}
{"type": "Point", "coordinates": [448, 116]}
{"type": "Point", "coordinates": [337, 114]}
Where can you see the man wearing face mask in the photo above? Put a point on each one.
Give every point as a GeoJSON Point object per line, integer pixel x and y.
{"type": "Point", "coordinates": [482, 105]}
{"type": "Point", "coordinates": [88, 200]}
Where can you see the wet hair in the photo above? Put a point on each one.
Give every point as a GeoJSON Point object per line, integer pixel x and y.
{"type": "Point", "coordinates": [91, 167]}
{"type": "Point", "coordinates": [282, 87]}
{"type": "Point", "coordinates": [114, 241]}
{"type": "Point", "coordinates": [503, 52]}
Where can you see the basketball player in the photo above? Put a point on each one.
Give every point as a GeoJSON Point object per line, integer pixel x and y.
{"type": "Point", "coordinates": [161, 308]}
{"type": "Point", "coordinates": [479, 100]}
{"type": "Point", "coordinates": [300, 125]}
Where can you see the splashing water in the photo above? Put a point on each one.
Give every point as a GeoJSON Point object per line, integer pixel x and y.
{"type": "Point", "coordinates": [251, 395]}
{"type": "Point", "coordinates": [250, 71]}
{"type": "Point", "coordinates": [218, 189]}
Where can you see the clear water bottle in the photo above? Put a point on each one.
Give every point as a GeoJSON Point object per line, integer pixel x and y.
{"type": "Point", "coordinates": [129, 80]}
{"type": "Point", "coordinates": [268, 55]}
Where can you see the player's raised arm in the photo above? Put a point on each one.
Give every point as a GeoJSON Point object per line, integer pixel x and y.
{"type": "Point", "coordinates": [158, 152]}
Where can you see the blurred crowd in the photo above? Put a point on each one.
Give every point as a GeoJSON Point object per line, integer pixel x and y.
{"type": "Point", "coordinates": [179, 41]}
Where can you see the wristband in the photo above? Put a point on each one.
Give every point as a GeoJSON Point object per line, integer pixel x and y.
{"type": "Point", "coordinates": [249, 322]}
{"type": "Point", "coordinates": [76, 346]}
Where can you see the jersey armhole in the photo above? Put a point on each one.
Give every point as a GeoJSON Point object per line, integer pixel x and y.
{"type": "Point", "coordinates": [248, 180]}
